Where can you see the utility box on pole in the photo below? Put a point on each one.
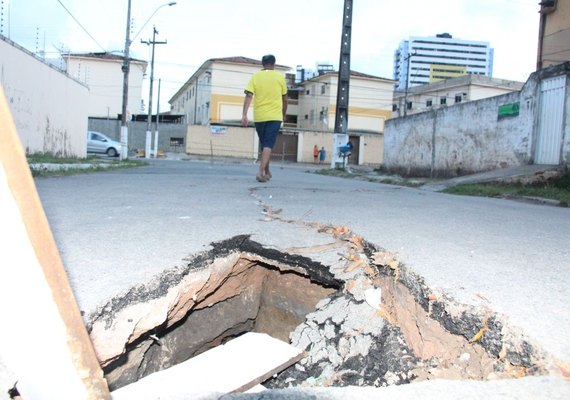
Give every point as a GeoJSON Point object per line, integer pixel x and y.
{"type": "Point", "coordinates": [340, 136]}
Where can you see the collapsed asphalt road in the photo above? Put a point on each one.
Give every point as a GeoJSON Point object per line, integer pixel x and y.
{"type": "Point", "coordinates": [118, 229]}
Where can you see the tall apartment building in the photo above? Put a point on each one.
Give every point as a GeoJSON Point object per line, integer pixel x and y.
{"type": "Point", "coordinates": [421, 60]}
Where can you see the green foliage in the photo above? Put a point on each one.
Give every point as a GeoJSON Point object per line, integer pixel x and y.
{"type": "Point", "coordinates": [48, 164]}
{"type": "Point", "coordinates": [556, 189]}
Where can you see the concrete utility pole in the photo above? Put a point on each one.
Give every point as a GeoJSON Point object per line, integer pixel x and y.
{"type": "Point", "coordinates": [157, 122]}
{"type": "Point", "coordinates": [341, 114]}
{"type": "Point", "coordinates": [408, 75]}
{"type": "Point", "coordinates": [125, 68]}
{"type": "Point", "coordinates": [149, 119]}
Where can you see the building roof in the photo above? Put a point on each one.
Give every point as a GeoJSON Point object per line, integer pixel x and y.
{"type": "Point", "coordinates": [103, 56]}
{"type": "Point", "coordinates": [355, 74]}
{"type": "Point", "coordinates": [469, 79]}
{"type": "Point", "coordinates": [230, 60]}
{"type": "Point", "coordinates": [241, 60]}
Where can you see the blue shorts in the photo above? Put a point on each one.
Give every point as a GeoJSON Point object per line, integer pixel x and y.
{"type": "Point", "coordinates": [267, 132]}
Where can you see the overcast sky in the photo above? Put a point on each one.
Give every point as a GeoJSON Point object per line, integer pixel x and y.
{"type": "Point", "coordinates": [297, 32]}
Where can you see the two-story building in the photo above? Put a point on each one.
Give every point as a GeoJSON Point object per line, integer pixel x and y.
{"type": "Point", "coordinates": [370, 102]}
{"type": "Point", "coordinates": [103, 74]}
{"type": "Point", "coordinates": [214, 93]}
{"type": "Point", "coordinates": [449, 92]}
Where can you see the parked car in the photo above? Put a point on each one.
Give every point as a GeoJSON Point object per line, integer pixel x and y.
{"type": "Point", "coordinates": [100, 143]}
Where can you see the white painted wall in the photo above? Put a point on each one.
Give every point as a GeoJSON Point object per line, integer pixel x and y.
{"type": "Point", "coordinates": [469, 137]}
{"type": "Point", "coordinates": [48, 107]}
{"type": "Point", "coordinates": [460, 139]}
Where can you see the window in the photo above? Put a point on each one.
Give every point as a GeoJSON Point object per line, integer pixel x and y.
{"type": "Point", "coordinates": [323, 89]}
{"type": "Point", "coordinates": [443, 101]}
{"type": "Point", "coordinates": [394, 107]}
{"type": "Point", "coordinates": [458, 98]}
{"type": "Point", "coordinates": [429, 102]}
{"type": "Point", "coordinates": [308, 92]}
{"type": "Point", "coordinates": [409, 105]}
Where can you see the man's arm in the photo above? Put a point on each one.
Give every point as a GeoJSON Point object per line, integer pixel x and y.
{"type": "Point", "coordinates": [246, 103]}
{"type": "Point", "coordinates": [285, 103]}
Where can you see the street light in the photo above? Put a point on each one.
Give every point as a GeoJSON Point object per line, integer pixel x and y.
{"type": "Point", "coordinates": [172, 3]}
{"type": "Point", "coordinates": [125, 68]}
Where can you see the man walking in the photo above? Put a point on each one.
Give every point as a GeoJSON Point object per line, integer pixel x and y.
{"type": "Point", "coordinates": [269, 109]}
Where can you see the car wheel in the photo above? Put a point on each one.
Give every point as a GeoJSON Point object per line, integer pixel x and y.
{"type": "Point", "coordinates": [112, 152]}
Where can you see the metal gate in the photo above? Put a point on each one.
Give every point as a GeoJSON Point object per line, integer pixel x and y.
{"type": "Point", "coordinates": [550, 120]}
{"type": "Point", "coordinates": [285, 147]}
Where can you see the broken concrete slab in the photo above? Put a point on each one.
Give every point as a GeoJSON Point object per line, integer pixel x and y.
{"type": "Point", "coordinates": [236, 366]}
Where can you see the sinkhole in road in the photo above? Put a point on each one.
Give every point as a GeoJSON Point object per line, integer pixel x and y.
{"type": "Point", "coordinates": [240, 286]}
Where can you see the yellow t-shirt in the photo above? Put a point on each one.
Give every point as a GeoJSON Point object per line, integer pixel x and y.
{"type": "Point", "coordinates": [268, 87]}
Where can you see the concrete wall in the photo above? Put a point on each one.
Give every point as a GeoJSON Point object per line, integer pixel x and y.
{"type": "Point", "coordinates": [243, 143]}
{"type": "Point", "coordinates": [49, 108]}
{"type": "Point", "coordinates": [471, 137]}
{"type": "Point", "coordinates": [225, 142]}
{"type": "Point", "coordinates": [137, 134]}
{"type": "Point", "coordinates": [447, 142]}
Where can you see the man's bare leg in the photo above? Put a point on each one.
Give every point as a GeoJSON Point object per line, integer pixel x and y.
{"type": "Point", "coordinates": [264, 164]}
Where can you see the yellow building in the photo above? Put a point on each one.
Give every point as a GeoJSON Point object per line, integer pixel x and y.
{"type": "Point", "coordinates": [370, 102]}
{"type": "Point", "coordinates": [214, 93]}
{"type": "Point", "coordinates": [438, 72]}
{"type": "Point", "coordinates": [554, 33]}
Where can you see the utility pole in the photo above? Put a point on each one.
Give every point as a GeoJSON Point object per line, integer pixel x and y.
{"type": "Point", "coordinates": [408, 75]}
{"type": "Point", "coordinates": [149, 119]}
{"type": "Point", "coordinates": [341, 114]}
{"type": "Point", "coordinates": [125, 68]}
{"type": "Point", "coordinates": [157, 122]}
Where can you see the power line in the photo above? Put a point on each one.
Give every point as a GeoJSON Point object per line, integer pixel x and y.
{"type": "Point", "coordinates": [82, 27]}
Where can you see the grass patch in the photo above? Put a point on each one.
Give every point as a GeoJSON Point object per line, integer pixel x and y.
{"type": "Point", "coordinates": [47, 164]}
{"type": "Point", "coordinates": [556, 189]}
{"type": "Point", "coordinates": [401, 182]}
{"type": "Point", "coordinates": [342, 173]}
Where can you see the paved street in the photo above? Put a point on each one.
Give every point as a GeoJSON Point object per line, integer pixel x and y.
{"type": "Point", "coordinates": [117, 229]}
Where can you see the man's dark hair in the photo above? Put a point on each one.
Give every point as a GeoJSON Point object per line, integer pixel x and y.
{"type": "Point", "coordinates": [268, 60]}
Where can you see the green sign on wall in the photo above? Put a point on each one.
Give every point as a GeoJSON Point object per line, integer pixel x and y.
{"type": "Point", "coordinates": [509, 110]}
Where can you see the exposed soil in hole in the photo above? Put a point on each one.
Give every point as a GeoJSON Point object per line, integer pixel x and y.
{"type": "Point", "coordinates": [204, 307]}
{"type": "Point", "coordinates": [239, 286]}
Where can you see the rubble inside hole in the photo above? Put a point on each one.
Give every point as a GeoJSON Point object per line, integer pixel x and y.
{"type": "Point", "coordinates": [415, 335]}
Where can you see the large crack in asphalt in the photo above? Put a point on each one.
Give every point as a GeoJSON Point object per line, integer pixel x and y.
{"type": "Point", "coordinates": [364, 318]}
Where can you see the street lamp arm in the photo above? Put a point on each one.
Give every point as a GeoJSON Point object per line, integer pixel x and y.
{"type": "Point", "coordinates": [172, 3]}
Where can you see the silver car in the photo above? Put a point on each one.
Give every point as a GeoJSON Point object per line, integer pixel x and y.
{"type": "Point", "coordinates": [100, 143]}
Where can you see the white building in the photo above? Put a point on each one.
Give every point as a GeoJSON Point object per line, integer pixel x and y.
{"type": "Point", "coordinates": [422, 60]}
{"type": "Point", "coordinates": [449, 92]}
{"type": "Point", "coordinates": [103, 73]}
